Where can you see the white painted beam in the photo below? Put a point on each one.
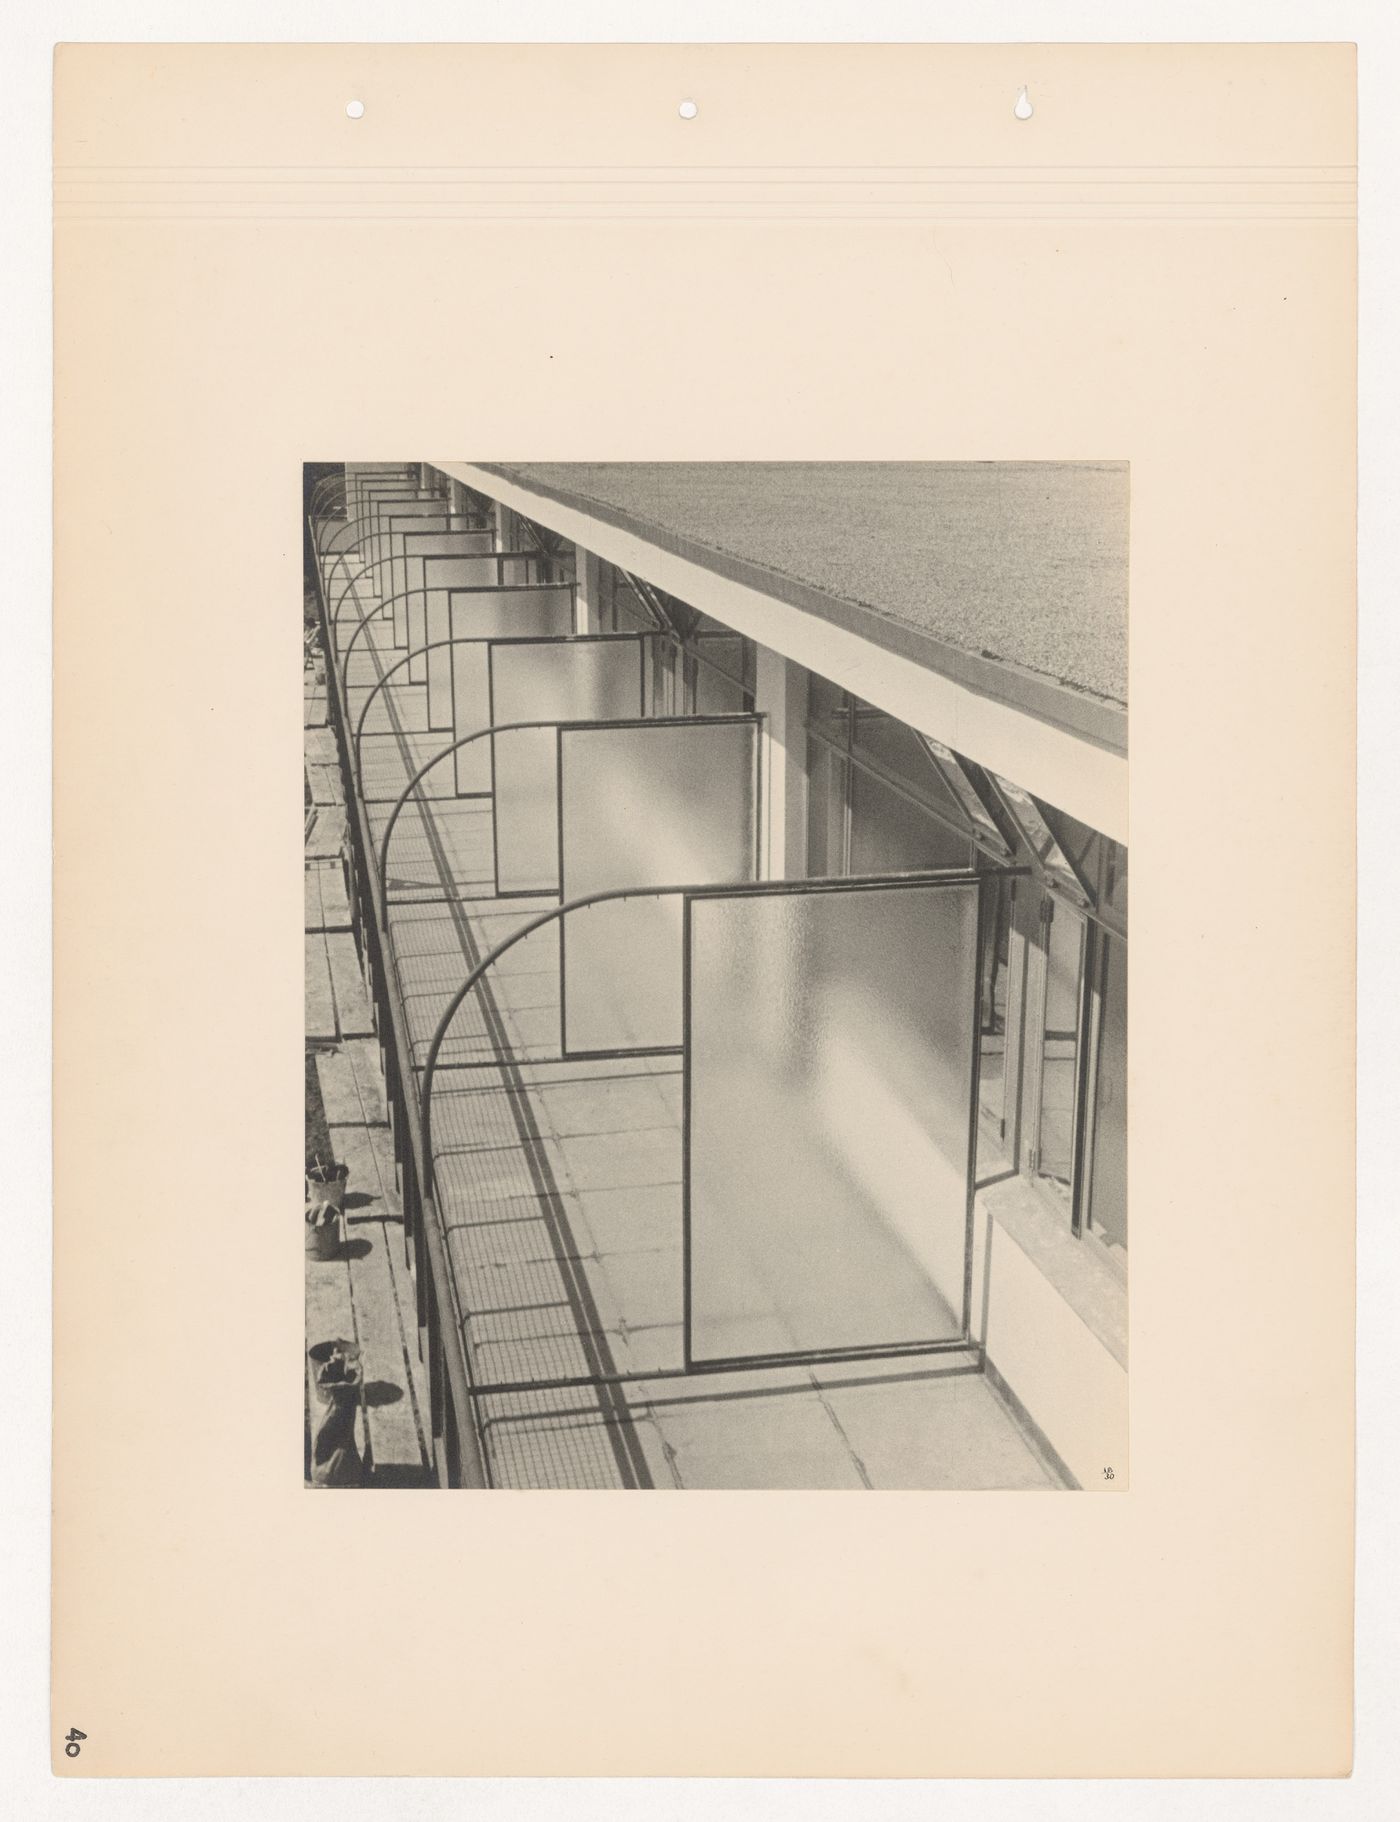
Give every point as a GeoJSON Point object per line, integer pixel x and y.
{"type": "Point", "coordinates": [1075, 775]}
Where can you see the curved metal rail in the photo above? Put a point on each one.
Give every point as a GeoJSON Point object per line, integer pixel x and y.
{"type": "Point", "coordinates": [334, 550]}
{"type": "Point", "coordinates": [407, 594]}
{"type": "Point", "coordinates": [417, 651]}
{"type": "Point", "coordinates": [707, 889]}
{"type": "Point", "coordinates": [331, 550]}
{"type": "Point", "coordinates": [460, 531]}
{"type": "Point", "coordinates": [404, 594]}
{"type": "Point", "coordinates": [477, 973]}
{"type": "Point", "coordinates": [420, 651]}
{"type": "Point", "coordinates": [313, 508]}
{"type": "Point", "coordinates": [502, 727]}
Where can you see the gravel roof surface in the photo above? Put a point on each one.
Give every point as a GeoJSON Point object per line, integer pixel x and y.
{"type": "Point", "coordinates": [1025, 562]}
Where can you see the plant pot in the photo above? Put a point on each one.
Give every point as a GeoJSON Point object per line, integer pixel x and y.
{"type": "Point", "coordinates": [325, 1203]}
{"type": "Point", "coordinates": [323, 1232]}
{"type": "Point", "coordinates": [337, 1379]}
{"type": "Point", "coordinates": [325, 1185]}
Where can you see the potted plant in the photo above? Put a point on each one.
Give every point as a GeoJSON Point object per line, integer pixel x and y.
{"type": "Point", "coordinates": [338, 1380]}
{"type": "Point", "coordinates": [325, 1206]}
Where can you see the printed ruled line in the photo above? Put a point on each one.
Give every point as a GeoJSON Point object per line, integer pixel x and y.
{"type": "Point", "coordinates": [1101, 219]}
{"type": "Point", "coordinates": [362, 170]}
{"type": "Point", "coordinates": [785, 182]}
{"type": "Point", "coordinates": [550, 193]}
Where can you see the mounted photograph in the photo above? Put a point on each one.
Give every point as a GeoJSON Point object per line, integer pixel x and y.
{"type": "Point", "coordinates": [716, 975]}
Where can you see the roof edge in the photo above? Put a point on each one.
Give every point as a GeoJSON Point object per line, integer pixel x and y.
{"type": "Point", "coordinates": [1059, 704]}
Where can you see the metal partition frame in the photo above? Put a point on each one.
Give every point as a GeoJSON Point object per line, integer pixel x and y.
{"type": "Point", "coordinates": [316, 508]}
{"type": "Point", "coordinates": [648, 723]}
{"type": "Point", "coordinates": [333, 548]}
{"type": "Point", "coordinates": [437, 571]}
{"type": "Point", "coordinates": [398, 529]}
{"type": "Point", "coordinates": [358, 480]}
{"type": "Point", "coordinates": [382, 499]}
{"type": "Point", "coordinates": [394, 519]}
{"type": "Point", "coordinates": [402, 799]}
{"type": "Point", "coordinates": [368, 520]}
{"type": "Point", "coordinates": [503, 595]}
{"type": "Point", "coordinates": [433, 645]}
{"type": "Point", "coordinates": [772, 889]}
{"type": "Point", "coordinates": [357, 738]}
{"type": "Point", "coordinates": [691, 1367]}
{"type": "Point", "coordinates": [571, 641]}
{"type": "Point", "coordinates": [476, 734]}
{"type": "Point", "coordinates": [515, 588]}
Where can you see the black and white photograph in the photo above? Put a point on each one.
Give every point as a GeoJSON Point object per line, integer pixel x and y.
{"type": "Point", "coordinates": [716, 893]}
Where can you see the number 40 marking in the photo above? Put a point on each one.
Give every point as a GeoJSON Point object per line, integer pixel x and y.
{"type": "Point", "coordinates": [72, 1748]}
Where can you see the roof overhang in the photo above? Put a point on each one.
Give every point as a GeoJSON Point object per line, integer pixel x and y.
{"type": "Point", "coordinates": [1059, 744]}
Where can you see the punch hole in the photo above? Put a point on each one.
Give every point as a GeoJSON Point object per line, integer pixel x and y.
{"type": "Point", "coordinates": [687, 110]}
{"type": "Point", "coordinates": [1023, 109]}
{"type": "Point", "coordinates": [355, 109]}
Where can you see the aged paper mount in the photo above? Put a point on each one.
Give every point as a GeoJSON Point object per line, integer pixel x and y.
{"type": "Point", "coordinates": [504, 261]}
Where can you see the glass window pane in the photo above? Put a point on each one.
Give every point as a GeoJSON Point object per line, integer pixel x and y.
{"type": "Point", "coordinates": [629, 613]}
{"type": "Point", "coordinates": [996, 981]}
{"type": "Point", "coordinates": [1064, 977]}
{"type": "Point", "coordinates": [492, 613]}
{"type": "Point", "coordinates": [826, 811]}
{"type": "Point", "coordinates": [719, 674]}
{"type": "Point", "coordinates": [664, 804]}
{"type": "Point", "coordinates": [828, 709]}
{"type": "Point", "coordinates": [575, 680]}
{"type": "Point", "coordinates": [1080, 845]}
{"type": "Point", "coordinates": [1108, 1201]}
{"type": "Point", "coordinates": [890, 834]}
{"type": "Point", "coordinates": [1042, 841]}
{"type": "Point", "coordinates": [960, 782]}
{"type": "Point", "coordinates": [830, 1084]}
{"type": "Point", "coordinates": [897, 750]}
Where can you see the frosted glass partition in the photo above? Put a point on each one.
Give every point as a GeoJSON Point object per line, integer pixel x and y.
{"type": "Point", "coordinates": [438, 571]}
{"type": "Point", "coordinates": [595, 678]}
{"type": "Point", "coordinates": [384, 508]}
{"type": "Point", "coordinates": [422, 508]}
{"type": "Point", "coordinates": [478, 614]}
{"type": "Point", "coordinates": [362, 478]}
{"type": "Point", "coordinates": [654, 803]}
{"type": "Point", "coordinates": [395, 585]}
{"type": "Point", "coordinates": [359, 476]}
{"type": "Point", "coordinates": [375, 495]}
{"type": "Point", "coordinates": [830, 1072]}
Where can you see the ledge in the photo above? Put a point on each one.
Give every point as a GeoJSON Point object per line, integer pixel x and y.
{"type": "Point", "coordinates": [1087, 1283]}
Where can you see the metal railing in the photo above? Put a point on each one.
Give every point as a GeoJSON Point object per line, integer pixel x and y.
{"type": "Point", "coordinates": [458, 1456]}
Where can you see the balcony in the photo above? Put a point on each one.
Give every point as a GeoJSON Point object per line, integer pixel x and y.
{"type": "Point", "coordinates": [684, 1155]}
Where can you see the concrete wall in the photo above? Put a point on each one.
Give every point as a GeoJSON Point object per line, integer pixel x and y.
{"type": "Point", "coordinates": [780, 694]}
{"type": "Point", "coordinates": [588, 601]}
{"type": "Point", "coordinates": [1066, 1380]}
